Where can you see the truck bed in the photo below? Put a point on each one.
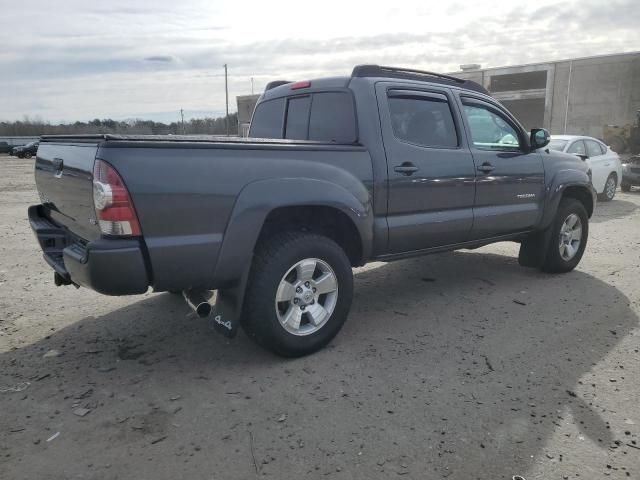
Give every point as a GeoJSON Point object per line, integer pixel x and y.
{"type": "Point", "coordinates": [184, 190]}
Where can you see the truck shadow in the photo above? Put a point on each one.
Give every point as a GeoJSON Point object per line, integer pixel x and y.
{"type": "Point", "coordinates": [616, 208]}
{"type": "Point", "coordinates": [459, 365]}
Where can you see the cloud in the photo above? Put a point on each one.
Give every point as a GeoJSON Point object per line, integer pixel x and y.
{"type": "Point", "coordinates": [160, 58]}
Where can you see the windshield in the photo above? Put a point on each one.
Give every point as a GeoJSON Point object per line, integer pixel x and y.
{"type": "Point", "coordinates": [558, 144]}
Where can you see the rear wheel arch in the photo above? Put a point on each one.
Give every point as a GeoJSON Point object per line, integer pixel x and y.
{"type": "Point", "coordinates": [268, 202]}
{"type": "Point", "coordinates": [327, 221]}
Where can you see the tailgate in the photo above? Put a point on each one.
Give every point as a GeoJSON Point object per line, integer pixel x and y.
{"type": "Point", "coordinates": [64, 178]}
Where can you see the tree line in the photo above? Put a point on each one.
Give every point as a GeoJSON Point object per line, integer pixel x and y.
{"type": "Point", "coordinates": [197, 126]}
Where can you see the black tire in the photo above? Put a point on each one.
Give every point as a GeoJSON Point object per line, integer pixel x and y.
{"type": "Point", "coordinates": [28, 155]}
{"type": "Point", "coordinates": [272, 259]}
{"type": "Point", "coordinates": [554, 262]}
{"type": "Point", "coordinates": [625, 187]}
{"type": "Point", "coordinates": [607, 195]}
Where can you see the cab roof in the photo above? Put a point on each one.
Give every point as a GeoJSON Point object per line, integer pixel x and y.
{"type": "Point", "coordinates": [281, 88]}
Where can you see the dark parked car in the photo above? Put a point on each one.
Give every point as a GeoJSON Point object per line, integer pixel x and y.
{"type": "Point", "coordinates": [380, 165]}
{"type": "Point", "coordinates": [630, 173]}
{"type": "Point", "coordinates": [26, 151]}
{"type": "Point", "coordinates": [5, 147]}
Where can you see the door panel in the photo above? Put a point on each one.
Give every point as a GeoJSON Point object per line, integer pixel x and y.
{"type": "Point", "coordinates": [431, 174]}
{"type": "Point", "coordinates": [510, 178]}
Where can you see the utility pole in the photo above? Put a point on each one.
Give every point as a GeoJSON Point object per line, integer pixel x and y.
{"type": "Point", "coordinates": [182, 116]}
{"type": "Point", "coordinates": [226, 96]}
{"type": "Point", "coordinates": [251, 85]}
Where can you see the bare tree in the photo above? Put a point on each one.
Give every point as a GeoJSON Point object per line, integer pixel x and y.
{"type": "Point", "coordinates": [33, 127]}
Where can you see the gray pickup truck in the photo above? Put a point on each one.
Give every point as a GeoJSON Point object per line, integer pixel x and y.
{"type": "Point", "coordinates": [384, 164]}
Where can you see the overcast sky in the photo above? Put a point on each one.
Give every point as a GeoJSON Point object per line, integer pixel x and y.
{"type": "Point", "coordinates": [70, 60]}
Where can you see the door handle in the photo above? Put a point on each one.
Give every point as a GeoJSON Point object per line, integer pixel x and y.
{"type": "Point", "coordinates": [407, 168]}
{"type": "Point", "coordinates": [486, 167]}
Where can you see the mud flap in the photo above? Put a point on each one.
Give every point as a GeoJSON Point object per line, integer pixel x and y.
{"type": "Point", "coordinates": [228, 308]}
{"type": "Point", "coordinates": [533, 249]}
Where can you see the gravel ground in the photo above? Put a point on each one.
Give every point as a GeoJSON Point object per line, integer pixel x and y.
{"type": "Point", "coordinates": [460, 366]}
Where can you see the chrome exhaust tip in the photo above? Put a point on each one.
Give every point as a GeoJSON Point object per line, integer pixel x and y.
{"type": "Point", "coordinates": [198, 301]}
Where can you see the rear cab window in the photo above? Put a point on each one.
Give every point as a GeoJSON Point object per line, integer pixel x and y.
{"type": "Point", "coordinates": [267, 119]}
{"type": "Point", "coordinates": [319, 116]}
{"type": "Point", "coordinates": [297, 123]}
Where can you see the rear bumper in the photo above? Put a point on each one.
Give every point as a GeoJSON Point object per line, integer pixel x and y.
{"type": "Point", "coordinates": [108, 266]}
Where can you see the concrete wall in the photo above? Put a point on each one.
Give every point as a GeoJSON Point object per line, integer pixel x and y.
{"type": "Point", "coordinates": [601, 91]}
{"type": "Point", "coordinates": [581, 95]}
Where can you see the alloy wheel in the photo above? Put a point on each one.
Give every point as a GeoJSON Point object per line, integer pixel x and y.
{"type": "Point", "coordinates": [570, 237]}
{"type": "Point", "coordinates": [306, 296]}
{"type": "Point", "coordinates": [610, 188]}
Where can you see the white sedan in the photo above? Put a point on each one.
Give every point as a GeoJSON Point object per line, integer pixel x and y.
{"type": "Point", "coordinates": [606, 168]}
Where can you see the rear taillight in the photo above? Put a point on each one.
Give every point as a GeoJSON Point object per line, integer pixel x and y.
{"type": "Point", "coordinates": [114, 209]}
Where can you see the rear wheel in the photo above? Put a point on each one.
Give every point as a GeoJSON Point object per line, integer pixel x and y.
{"type": "Point", "coordinates": [609, 189]}
{"type": "Point", "coordinates": [570, 230]}
{"type": "Point", "coordinates": [299, 293]}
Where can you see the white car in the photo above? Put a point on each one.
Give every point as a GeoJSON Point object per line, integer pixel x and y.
{"type": "Point", "coordinates": [606, 168]}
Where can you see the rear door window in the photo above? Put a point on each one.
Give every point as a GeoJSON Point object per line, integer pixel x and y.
{"type": "Point", "coordinates": [425, 121]}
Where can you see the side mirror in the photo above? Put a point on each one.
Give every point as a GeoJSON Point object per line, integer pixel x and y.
{"type": "Point", "coordinates": [539, 138]}
{"type": "Point", "coordinates": [581, 156]}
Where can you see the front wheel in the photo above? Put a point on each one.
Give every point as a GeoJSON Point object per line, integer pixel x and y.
{"type": "Point", "coordinates": [609, 189]}
{"type": "Point", "coordinates": [625, 187]}
{"type": "Point", "coordinates": [569, 233]}
{"type": "Point", "coordinates": [299, 293]}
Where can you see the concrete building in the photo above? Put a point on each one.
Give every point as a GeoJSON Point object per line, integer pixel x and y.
{"type": "Point", "coordinates": [579, 96]}
{"type": "Point", "coordinates": [246, 104]}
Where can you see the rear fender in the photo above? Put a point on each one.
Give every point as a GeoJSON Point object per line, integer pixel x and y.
{"type": "Point", "coordinates": [257, 199]}
{"type": "Point", "coordinates": [253, 205]}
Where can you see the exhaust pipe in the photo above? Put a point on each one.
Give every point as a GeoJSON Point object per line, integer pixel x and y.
{"type": "Point", "coordinates": [198, 300]}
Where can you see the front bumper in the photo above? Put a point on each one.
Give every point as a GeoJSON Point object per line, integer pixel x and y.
{"type": "Point", "coordinates": [108, 266]}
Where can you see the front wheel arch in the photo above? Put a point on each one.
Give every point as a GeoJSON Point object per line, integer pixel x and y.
{"type": "Point", "coordinates": [581, 194]}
